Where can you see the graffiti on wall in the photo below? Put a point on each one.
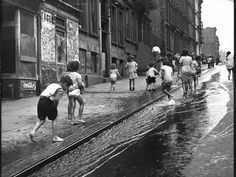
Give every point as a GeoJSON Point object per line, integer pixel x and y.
{"type": "Point", "coordinates": [47, 39]}
{"type": "Point", "coordinates": [72, 40]}
{"type": "Point", "coordinates": [49, 76]}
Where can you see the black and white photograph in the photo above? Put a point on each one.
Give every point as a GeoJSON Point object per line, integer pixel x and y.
{"type": "Point", "coordinates": [117, 88]}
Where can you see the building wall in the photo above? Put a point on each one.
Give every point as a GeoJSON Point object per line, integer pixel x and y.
{"type": "Point", "coordinates": [211, 42]}
{"type": "Point", "coordinates": [59, 43]}
{"type": "Point", "coordinates": [176, 22]}
{"type": "Point", "coordinates": [19, 51]}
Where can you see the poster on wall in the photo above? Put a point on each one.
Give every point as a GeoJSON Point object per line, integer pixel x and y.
{"type": "Point", "coordinates": [47, 37]}
{"type": "Point", "coordinates": [72, 40]}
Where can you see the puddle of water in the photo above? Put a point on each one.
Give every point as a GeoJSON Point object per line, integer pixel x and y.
{"type": "Point", "coordinates": [158, 141]}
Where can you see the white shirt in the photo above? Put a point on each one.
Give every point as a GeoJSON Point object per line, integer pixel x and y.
{"type": "Point", "coordinates": [185, 60]}
{"type": "Point", "coordinates": [132, 66]}
{"type": "Point", "coordinates": [156, 49]}
{"type": "Point", "coordinates": [51, 90]}
{"type": "Point", "coordinates": [229, 62]}
{"type": "Point", "coordinates": [167, 73]}
{"type": "Point", "coordinates": [75, 77]}
{"type": "Point", "coordinates": [151, 72]}
{"type": "Point", "coordinates": [194, 65]}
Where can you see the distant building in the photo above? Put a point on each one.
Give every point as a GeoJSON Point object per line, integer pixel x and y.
{"type": "Point", "coordinates": [210, 42]}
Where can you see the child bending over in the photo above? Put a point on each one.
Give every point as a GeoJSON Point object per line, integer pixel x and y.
{"type": "Point", "coordinates": [47, 105]}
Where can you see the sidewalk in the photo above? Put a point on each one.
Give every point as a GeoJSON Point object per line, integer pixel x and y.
{"type": "Point", "coordinates": [19, 116]}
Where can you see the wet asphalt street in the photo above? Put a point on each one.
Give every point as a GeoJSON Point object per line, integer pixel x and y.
{"type": "Point", "coordinates": [196, 141]}
{"type": "Point", "coordinates": [194, 137]}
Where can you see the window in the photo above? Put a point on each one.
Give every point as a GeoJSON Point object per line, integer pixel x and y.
{"type": "Point", "coordinates": [8, 41]}
{"type": "Point", "coordinates": [92, 63]}
{"type": "Point", "coordinates": [140, 30]}
{"type": "Point", "coordinates": [84, 13]}
{"type": "Point", "coordinates": [60, 46]}
{"type": "Point", "coordinates": [27, 24]}
{"type": "Point", "coordinates": [60, 40]}
{"type": "Point", "coordinates": [27, 39]}
{"type": "Point", "coordinates": [93, 16]}
{"type": "Point", "coordinates": [82, 58]}
{"type": "Point", "coordinates": [113, 24]}
{"type": "Point", "coordinates": [127, 25]}
{"type": "Point", "coordinates": [120, 26]}
{"type": "Point", "coordinates": [133, 29]}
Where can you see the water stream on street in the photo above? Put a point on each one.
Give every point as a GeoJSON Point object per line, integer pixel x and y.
{"type": "Point", "coordinates": [157, 141]}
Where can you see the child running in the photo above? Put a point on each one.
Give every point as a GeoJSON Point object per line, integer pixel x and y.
{"type": "Point", "coordinates": [74, 93]}
{"type": "Point", "coordinates": [167, 79]}
{"type": "Point", "coordinates": [113, 76]}
{"type": "Point", "coordinates": [151, 77]}
{"type": "Point", "coordinates": [47, 106]}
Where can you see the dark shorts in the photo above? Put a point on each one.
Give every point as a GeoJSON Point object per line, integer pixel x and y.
{"type": "Point", "coordinates": [46, 108]}
{"type": "Point", "coordinates": [198, 72]}
{"type": "Point", "coordinates": [151, 80]}
{"type": "Point", "coordinates": [166, 85]}
{"type": "Point", "coordinates": [113, 82]}
{"type": "Point", "coordinates": [229, 70]}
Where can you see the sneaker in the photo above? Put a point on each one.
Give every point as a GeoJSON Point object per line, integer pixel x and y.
{"type": "Point", "coordinates": [81, 120]}
{"type": "Point", "coordinates": [57, 139]}
{"type": "Point", "coordinates": [74, 123]}
{"type": "Point", "coordinates": [31, 135]}
{"type": "Point", "coordinates": [171, 102]}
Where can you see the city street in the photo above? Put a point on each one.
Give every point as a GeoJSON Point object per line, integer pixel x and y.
{"type": "Point", "coordinates": [196, 140]}
{"type": "Point", "coordinates": [117, 88]}
{"type": "Point", "coordinates": [194, 137]}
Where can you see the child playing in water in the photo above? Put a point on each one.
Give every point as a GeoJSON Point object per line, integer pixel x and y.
{"type": "Point", "coordinates": [151, 77]}
{"type": "Point", "coordinates": [167, 79]}
{"type": "Point", "coordinates": [74, 93]}
{"type": "Point", "coordinates": [47, 105]}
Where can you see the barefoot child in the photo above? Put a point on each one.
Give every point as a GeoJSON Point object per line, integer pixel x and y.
{"type": "Point", "coordinates": [75, 92]}
{"type": "Point", "coordinates": [167, 79]}
{"type": "Point", "coordinates": [113, 76]}
{"type": "Point", "coordinates": [47, 106]}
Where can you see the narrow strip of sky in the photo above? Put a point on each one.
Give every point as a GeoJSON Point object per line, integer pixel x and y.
{"type": "Point", "coordinates": [220, 14]}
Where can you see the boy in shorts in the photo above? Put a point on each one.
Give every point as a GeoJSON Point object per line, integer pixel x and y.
{"type": "Point", "coordinates": [151, 77]}
{"type": "Point", "coordinates": [47, 106]}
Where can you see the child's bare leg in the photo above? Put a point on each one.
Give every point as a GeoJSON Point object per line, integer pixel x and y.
{"type": "Point", "coordinates": [36, 127]}
{"type": "Point", "coordinates": [73, 105]}
{"type": "Point", "coordinates": [69, 107]}
{"type": "Point", "coordinates": [133, 84]}
{"type": "Point", "coordinates": [81, 108]}
{"type": "Point", "coordinates": [130, 81]}
{"type": "Point", "coordinates": [111, 87]}
{"type": "Point", "coordinates": [54, 132]}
